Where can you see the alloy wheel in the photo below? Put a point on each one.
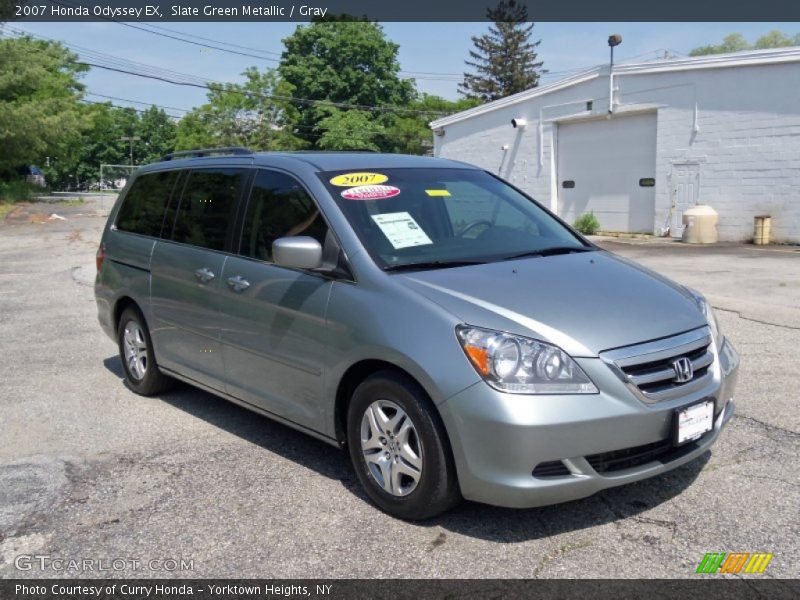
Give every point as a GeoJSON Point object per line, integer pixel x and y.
{"type": "Point", "coordinates": [391, 447]}
{"type": "Point", "coordinates": [135, 348]}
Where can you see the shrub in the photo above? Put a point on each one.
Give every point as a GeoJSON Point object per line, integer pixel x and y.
{"type": "Point", "coordinates": [587, 224]}
{"type": "Point", "coordinates": [18, 190]}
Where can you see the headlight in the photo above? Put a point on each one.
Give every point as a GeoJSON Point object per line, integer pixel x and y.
{"type": "Point", "coordinates": [711, 318]}
{"type": "Point", "coordinates": [520, 365]}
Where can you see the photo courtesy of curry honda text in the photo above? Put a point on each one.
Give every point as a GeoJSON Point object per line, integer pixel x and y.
{"type": "Point", "coordinates": [458, 339]}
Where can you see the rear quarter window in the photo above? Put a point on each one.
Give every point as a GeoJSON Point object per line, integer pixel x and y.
{"type": "Point", "coordinates": [143, 207]}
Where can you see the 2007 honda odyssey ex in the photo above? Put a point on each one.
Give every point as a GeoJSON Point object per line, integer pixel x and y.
{"type": "Point", "coordinates": [454, 335]}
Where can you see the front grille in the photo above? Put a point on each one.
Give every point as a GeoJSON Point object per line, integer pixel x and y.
{"type": "Point", "coordinates": [650, 369]}
{"type": "Point", "coordinates": [628, 458]}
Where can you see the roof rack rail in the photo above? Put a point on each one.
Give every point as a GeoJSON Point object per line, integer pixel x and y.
{"type": "Point", "coordinates": [233, 150]}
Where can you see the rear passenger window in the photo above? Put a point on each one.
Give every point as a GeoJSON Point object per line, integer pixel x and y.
{"type": "Point", "coordinates": [207, 206]}
{"type": "Point", "coordinates": [279, 207]}
{"type": "Point", "coordinates": [142, 210]}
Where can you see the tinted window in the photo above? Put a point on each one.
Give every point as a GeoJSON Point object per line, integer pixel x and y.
{"type": "Point", "coordinates": [142, 210]}
{"type": "Point", "coordinates": [205, 213]}
{"type": "Point", "coordinates": [279, 207]}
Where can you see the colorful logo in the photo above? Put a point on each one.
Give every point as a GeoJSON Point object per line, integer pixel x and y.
{"type": "Point", "coordinates": [734, 562]}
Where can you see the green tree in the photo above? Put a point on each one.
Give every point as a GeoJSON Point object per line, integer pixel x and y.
{"type": "Point", "coordinates": [736, 42]}
{"type": "Point", "coordinates": [157, 131]}
{"type": "Point", "coordinates": [776, 39]}
{"type": "Point", "coordinates": [411, 132]}
{"type": "Point", "coordinates": [348, 62]}
{"type": "Point", "coordinates": [40, 97]}
{"type": "Point", "coordinates": [348, 130]}
{"type": "Point", "coordinates": [77, 163]}
{"type": "Point", "coordinates": [505, 59]}
{"type": "Point", "coordinates": [257, 114]}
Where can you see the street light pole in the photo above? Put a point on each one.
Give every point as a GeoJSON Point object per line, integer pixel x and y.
{"type": "Point", "coordinates": [613, 40]}
{"type": "Point", "coordinates": [131, 139]}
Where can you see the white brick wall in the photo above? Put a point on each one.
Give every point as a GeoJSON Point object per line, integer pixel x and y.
{"type": "Point", "coordinates": [747, 146]}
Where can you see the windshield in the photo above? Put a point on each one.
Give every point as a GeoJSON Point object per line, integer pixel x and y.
{"type": "Point", "coordinates": [444, 217]}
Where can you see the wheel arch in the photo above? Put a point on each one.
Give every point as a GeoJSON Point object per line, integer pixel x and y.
{"type": "Point", "coordinates": [357, 373]}
{"type": "Point", "coordinates": [120, 305]}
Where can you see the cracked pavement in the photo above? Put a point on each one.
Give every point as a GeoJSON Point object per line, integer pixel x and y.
{"type": "Point", "coordinates": [90, 470]}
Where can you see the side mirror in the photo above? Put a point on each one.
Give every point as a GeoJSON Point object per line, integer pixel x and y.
{"type": "Point", "coordinates": [300, 252]}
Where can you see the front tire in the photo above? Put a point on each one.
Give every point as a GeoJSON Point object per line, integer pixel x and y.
{"type": "Point", "coordinates": [399, 448]}
{"type": "Point", "coordinates": [136, 353]}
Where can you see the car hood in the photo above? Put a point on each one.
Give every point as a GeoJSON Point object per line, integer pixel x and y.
{"type": "Point", "coordinates": [585, 303]}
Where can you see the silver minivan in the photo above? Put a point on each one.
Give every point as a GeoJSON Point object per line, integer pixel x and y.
{"type": "Point", "coordinates": [457, 338]}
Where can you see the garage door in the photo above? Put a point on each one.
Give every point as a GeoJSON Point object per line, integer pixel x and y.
{"type": "Point", "coordinates": [608, 167]}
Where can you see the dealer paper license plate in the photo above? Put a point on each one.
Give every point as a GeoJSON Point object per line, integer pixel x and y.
{"type": "Point", "coordinates": [694, 421]}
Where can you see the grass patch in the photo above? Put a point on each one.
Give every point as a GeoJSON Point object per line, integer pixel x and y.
{"type": "Point", "coordinates": [5, 208]}
{"type": "Point", "coordinates": [72, 202]}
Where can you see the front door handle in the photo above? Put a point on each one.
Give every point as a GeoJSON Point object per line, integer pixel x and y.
{"type": "Point", "coordinates": [238, 283]}
{"type": "Point", "coordinates": [204, 275]}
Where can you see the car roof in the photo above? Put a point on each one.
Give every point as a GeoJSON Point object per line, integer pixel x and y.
{"type": "Point", "coordinates": [322, 161]}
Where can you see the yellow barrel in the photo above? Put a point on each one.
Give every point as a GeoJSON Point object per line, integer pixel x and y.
{"type": "Point", "coordinates": [763, 224]}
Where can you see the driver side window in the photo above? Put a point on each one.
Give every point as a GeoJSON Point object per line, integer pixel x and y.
{"type": "Point", "coordinates": [478, 209]}
{"type": "Point", "coordinates": [279, 207]}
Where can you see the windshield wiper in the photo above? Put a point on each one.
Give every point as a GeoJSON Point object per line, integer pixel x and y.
{"type": "Point", "coordinates": [550, 251]}
{"type": "Point", "coordinates": [434, 264]}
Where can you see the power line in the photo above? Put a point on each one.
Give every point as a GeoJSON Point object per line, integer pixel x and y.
{"type": "Point", "coordinates": [200, 37]}
{"type": "Point", "coordinates": [138, 110]}
{"type": "Point", "coordinates": [149, 29]}
{"type": "Point", "coordinates": [125, 66]}
{"type": "Point", "coordinates": [186, 110]}
{"type": "Point", "coordinates": [166, 35]}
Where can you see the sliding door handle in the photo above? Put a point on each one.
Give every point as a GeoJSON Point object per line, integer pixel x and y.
{"type": "Point", "coordinates": [204, 275]}
{"type": "Point", "coordinates": [238, 283]}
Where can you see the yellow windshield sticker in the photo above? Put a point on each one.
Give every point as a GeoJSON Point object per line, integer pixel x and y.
{"type": "Point", "coordinates": [352, 179]}
{"type": "Point", "coordinates": [435, 193]}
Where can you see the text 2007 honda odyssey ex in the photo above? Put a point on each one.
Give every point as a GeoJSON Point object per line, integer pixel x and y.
{"type": "Point", "coordinates": [455, 336]}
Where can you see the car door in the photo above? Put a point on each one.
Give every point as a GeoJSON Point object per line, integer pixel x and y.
{"type": "Point", "coordinates": [186, 275]}
{"type": "Point", "coordinates": [274, 335]}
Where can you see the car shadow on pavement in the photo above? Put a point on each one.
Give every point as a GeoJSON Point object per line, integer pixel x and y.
{"type": "Point", "coordinates": [503, 525]}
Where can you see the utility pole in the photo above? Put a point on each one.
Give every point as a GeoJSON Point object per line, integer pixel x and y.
{"type": "Point", "coordinates": [131, 139]}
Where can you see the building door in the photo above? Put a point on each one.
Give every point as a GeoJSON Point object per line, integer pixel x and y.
{"type": "Point", "coordinates": [607, 166]}
{"type": "Point", "coordinates": [685, 186]}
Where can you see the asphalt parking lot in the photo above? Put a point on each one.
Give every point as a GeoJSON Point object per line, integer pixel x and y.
{"type": "Point", "coordinates": [88, 470]}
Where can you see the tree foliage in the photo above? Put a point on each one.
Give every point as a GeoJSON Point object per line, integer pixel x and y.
{"type": "Point", "coordinates": [256, 114]}
{"type": "Point", "coordinates": [736, 42]}
{"type": "Point", "coordinates": [338, 87]}
{"type": "Point", "coordinates": [77, 164]}
{"type": "Point", "coordinates": [505, 59]}
{"type": "Point", "coordinates": [348, 130]}
{"type": "Point", "coordinates": [39, 100]}
{"type": "Point", "coordinates": [349, 62]}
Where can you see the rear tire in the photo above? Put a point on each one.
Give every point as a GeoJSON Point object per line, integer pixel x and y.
{"type": "Point", "coordinates": [142, 374]}
{"type": "Point", "coordinates": [399, 448]}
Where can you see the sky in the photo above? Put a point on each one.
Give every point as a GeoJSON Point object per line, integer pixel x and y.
{"type": "Point", "coordinates": [424, 48]}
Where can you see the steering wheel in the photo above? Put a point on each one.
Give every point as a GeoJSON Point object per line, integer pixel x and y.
{"type": "Point", "coordinates": [473, 225]}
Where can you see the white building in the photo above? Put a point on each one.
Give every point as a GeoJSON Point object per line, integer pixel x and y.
{"type": "Point", "coordinates": [720, 130]}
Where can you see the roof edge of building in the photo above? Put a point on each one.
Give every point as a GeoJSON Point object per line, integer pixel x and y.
{"type": "Point", "coordinates": [713, 61]}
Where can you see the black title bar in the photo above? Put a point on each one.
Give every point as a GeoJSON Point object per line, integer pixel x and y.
{"type": "Point", "coordinates": [704, 586]}
{"type": "Point", "coordinates": [394, 10]}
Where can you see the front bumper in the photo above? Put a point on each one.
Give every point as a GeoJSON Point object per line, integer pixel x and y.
{"type": "Point", "coordinates": [498, 439]}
